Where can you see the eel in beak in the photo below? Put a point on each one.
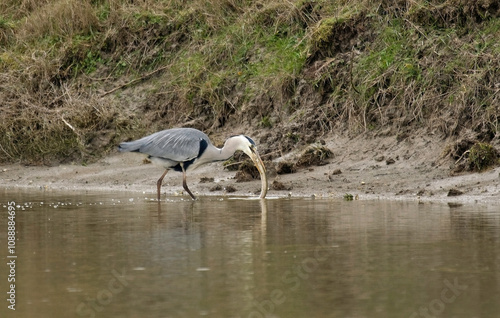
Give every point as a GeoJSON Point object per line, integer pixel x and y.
{"type": "Point", "coordinates": [254, 155]}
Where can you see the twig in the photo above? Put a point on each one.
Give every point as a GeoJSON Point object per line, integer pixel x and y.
{"type": "Point", "coordinates": [240, 162]}
{"type": "Point", "coordinates": [69, 125]}
{"type": "Point", "coordinates": [350, 72]}
{"type": "Point", "coordinates": [5, 151]}
{"type": "Point", "coordinates": [466, 152]}
{"type": "Point", "coordinates": [233, 164]}
{"type": "Point", "coordinates": [133, 81]}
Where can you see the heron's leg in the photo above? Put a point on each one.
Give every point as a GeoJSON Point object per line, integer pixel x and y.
{"type": "Point", "coordinates": [159, 183]}
{"type": "Point", "coordinates": [184, 183]}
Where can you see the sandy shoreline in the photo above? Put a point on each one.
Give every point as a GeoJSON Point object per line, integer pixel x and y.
{"type": "Point", "coordinates": [377, 168]}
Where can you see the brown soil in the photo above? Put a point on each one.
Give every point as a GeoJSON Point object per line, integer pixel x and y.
{"type": "Point", "coordinates": [419, 170]}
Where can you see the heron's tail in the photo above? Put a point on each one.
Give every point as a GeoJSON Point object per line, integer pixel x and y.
{"type": "Point", "coordinates": [130, 146]}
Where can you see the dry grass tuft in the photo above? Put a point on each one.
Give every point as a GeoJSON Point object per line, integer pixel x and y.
{"type": "Point", "coordinates": [62, 18]}
{"type": "Point", "coordinates": [247, 172]}
{"type": "Point", "coordinates": [314, 155]}
{"type": "Point", "coordinates": [285, 167]}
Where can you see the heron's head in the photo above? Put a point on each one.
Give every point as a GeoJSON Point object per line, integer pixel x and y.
{"type": "Point", "coordinates": [247, 145]}
{"type": "Point", "coordinates": [243, 143]}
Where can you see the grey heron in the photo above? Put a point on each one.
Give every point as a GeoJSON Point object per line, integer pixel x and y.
{"type": "Point", "coordinates": [185, 149]}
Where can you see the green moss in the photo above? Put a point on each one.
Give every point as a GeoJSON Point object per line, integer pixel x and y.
{"type": "Point", "coordinates": [482, 156]}
{"type": "Point", "coordinates": [325, 37]}
{"type": "Point", "coordinates": [348, 197]}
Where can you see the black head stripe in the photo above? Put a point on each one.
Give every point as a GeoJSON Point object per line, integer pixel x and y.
{"type": "Point", "coordinates": [250, 140]}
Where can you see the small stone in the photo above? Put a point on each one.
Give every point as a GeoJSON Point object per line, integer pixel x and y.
{"type": "Point", "coordinates": [206, 180]}
{"type": "Point", "coordinates": [278, 185]}
{"type": "Point", "coordinates": [230, 189]}
{"type": "Point", "coordinates": [216, 187]}
{"type": "Point", "coordinates": [454, 193]}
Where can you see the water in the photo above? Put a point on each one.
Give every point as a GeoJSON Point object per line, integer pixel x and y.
{"type": "Point", "coordinates": [123, 255]}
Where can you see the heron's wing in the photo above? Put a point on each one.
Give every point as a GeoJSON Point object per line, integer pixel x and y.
{"type": "Point", "coordinates": [178, 144]}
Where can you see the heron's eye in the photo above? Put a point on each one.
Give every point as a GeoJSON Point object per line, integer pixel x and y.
{"type": "Point", "coordinates": [252, 148]}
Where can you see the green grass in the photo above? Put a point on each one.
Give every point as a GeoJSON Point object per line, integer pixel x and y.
{"type": "Point", "coordinates": [329, 65]}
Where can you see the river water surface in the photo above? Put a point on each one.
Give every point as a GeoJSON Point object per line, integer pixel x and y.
{"type": "Point", "coordinates": [123, 255]}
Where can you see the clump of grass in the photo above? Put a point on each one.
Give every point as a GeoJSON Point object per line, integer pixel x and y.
{"type": "Point", "coordinates": [247, 172]}
{"type": "Point", "coordinates": [333, 34]}
{"type": "Point", "coordinates": [61, 19]}
{"type": "Point", "coordinates": [266, 122]}
{"type": "Point", "coordinates": [482, 156]}
{"type": "Point", "coordinates": [6, 29]}
{"type": "Point", "coordinates": [314, 155]}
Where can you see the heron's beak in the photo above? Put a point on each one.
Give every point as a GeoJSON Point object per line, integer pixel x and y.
{"type": "Point", "coordinates": [254, 155]}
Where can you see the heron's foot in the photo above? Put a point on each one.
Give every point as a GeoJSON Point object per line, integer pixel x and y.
{"type": "Point", "coordinates": [189, 192]}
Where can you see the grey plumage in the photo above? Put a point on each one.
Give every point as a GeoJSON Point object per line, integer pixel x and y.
{"type": "Point", "coordinates": [177, 144]}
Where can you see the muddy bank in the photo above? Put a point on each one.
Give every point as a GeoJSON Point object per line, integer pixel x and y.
{"type": "Point", "coordinates": [365, 167]}
{"type": "Point", "coordinates": [73, 84]}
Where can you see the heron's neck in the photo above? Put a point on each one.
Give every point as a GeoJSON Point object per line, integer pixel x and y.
{"type": "Point", "coordinates": [213, 153]}
{"type": "Point", "coordinates": [228, 150]}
